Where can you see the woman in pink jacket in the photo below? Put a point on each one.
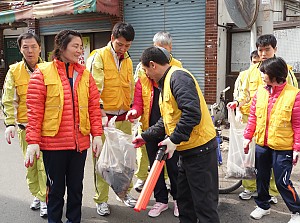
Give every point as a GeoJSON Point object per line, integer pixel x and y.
{"type": "Point", "coordinates": [63, 111]}
{"type": "Point", "coordinates": [275, 122]}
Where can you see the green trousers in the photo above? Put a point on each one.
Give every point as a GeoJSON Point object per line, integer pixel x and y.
{"type": "Point", "coordinates": [35, 175]}
{"type": "Point", "coordinates": [101, 186]}
{"type": "Point", "coordinates": [251, 185]}
{"type": "Point", "coordinates": [142, 162]}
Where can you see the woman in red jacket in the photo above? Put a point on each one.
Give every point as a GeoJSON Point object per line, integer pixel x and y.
{"type": "Point", "coordinates": [63, 110]}
{"type": "Point", "coordinates": [275, 121]}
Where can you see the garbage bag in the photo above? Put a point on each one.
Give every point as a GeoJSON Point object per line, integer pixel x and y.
{"type": "Point", "coordinates": [239, 164]}
{"type": "Point", "coordinates": [117, 160]}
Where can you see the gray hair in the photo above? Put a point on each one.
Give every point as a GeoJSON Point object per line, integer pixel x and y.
{"type": "Point", "coordinates": [163, 38]}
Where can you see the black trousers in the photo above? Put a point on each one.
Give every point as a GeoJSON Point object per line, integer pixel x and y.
{"type": "Point", "coordinates": [64, 168]}
{"type": "Point", "coordinates": [198, 184]}
{"type": "Point", "coordinates": [160, 189]}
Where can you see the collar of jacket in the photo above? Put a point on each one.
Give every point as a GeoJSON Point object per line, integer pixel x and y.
{"type": "Point", "coordinates": [126, 54]}
{"type": "Point", "coordinates": [29, 69]}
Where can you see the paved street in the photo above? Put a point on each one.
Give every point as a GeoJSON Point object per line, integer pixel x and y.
{"type": "Point", "coordinates": [15, 198]}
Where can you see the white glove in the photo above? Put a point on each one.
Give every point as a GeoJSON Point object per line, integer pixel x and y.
{"type": "Point", "coordinates": [295, 157]}
{"type": "Point", "coordinates": [97, 145]}
{"type": "Point", "coordinates": [131, 115]}
{"type": "Point", "coordinates": [104, 120]}
{"type": "Point", "coordinates": [171, 147]}
{"type": "Point", "coordinates": [10, 133]}
{"type": "Point", "coordinates": [238, 116]}
{"type": "Point", "coordinates": [32, 149]}
{"type": "Point", "coordinates": [246, 143]}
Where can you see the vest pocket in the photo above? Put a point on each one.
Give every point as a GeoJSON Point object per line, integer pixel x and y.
{"type": "Point", "coordinates": [52, 109]}
{"type": "Point", "coordinates": [53, 98]}
{"type": "Point", "coordinates": [84, 121]}
{"type": "Point", "coordinates": [22, 89]}
{"type": "Point", "coordinates": [51, 118]}
{"type": "Point", "coordinates": [286, 113]}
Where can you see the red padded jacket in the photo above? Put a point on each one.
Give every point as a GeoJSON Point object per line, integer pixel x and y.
{"type": "Point", "coordinates": [69, 136]}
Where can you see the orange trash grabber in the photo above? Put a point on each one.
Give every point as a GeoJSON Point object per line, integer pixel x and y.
{"type": "Point", "coordinates": [152, 178]}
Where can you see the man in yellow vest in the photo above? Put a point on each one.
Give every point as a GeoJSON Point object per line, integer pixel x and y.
{"type": "Point", "coordinates": [15, 112]}
{"type": "Point", "coordinates": [161, 39]}
{"type": "Point", "coordinates": [275, 121]}
{"type": "Point", "coordinates": [112, 70]}
{"type": "Point", "coordinates": [254, 59]}
{"type": "Point", "coordinates": [189, 130]}
{"type": "Point", "coordinates": [266, 47]}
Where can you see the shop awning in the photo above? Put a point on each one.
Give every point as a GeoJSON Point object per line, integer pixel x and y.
{"type": "Point", "coordinates": [51, 8]}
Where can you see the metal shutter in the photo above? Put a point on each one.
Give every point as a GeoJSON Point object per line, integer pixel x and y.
{"type": "Point", "coordinates": [185, 20]}
{"type": "Point", "coordinates": [84, 23]}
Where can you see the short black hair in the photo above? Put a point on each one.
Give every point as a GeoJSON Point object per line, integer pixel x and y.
{"type": "Point", "coordinates": [28, 36]}
{"type": "Point", "coordinates": [266, 40]}
{"type": "Point", "coordinates": [123, 29]}
{"type": "Point", "coordinates": [154, 54]}
{"type": "Point", "coordinates": [276, 68]}
{"type": "Point", "coordinates": [254, 53]}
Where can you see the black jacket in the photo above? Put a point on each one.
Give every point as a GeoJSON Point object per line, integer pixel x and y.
{"type": "Point", "coordinates": [184, 90]}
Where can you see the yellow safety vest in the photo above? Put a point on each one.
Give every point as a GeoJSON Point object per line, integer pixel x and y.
{"type": "Point", "coordinates": [146, 97]}
{"type": "Point", "coordinates": [175, 62]}
{"type": "Point", "coordinates": [55, 100]}
{"type": "Point", "coordinates": [280, 132]}
{"type": "Point", "coordinates": [201, 133]}
{"type": "Point", "coordinates": [117, 92]}
{"type": "Point", "coordinates": [21, 78]}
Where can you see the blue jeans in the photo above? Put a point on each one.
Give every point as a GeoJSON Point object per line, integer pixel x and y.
{"type": "Point", "coordinates": [281, 161]}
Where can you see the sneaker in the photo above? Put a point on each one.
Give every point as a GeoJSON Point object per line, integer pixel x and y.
{"type": "Point", "coordinates": [176, 212]}
{"type": "Point", "coordinates": [103, 209]}
{"type": "Point", "coordinates": [246, 195]}
{"type": "Point", "coordinates": [295, 218]}
{"type": "Point", "coordinates": [258, 213]}
{"type": "Point", "coordinates": [138, 186]}
{"type": "Point", "coordinates": [273, 200]}
{"type": "Point", "coordinates": [157, 208]}
{"type": "Point", "coordinates": [35, 204]}
{"type": "Point", "coordinates": [129, 201]}
{"type": "Point", "coordinates": [43, 209]}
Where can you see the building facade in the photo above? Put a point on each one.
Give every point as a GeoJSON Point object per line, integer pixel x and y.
{"type": "Point", "coordinates": [234, 46]}
{"type": "Point", "coordinates": [192, 24]}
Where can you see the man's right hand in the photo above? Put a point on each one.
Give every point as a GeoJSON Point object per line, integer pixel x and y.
{"type": "Point", "coordinates": [131, 115]}
{"type": "Point", "coordinates": [232, 104]}
{"type": "Point", "coordinates": [138, 141]}
{"type": "Point", "coordinates": [10, 133]}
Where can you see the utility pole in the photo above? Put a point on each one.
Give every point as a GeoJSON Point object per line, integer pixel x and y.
{"type": "Point", "coordinates": [264, 22]}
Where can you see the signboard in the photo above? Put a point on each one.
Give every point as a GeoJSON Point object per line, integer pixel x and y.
{"type": "Point", "coordinates": [86, 50]}
{"type": "Point", "coordinates": [265, 2]}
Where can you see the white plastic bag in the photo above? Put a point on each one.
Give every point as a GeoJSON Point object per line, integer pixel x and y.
{"type": "Point", "coordinates": [117, 160]}
{"type": "Point", "coordinates": [239, 164]}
